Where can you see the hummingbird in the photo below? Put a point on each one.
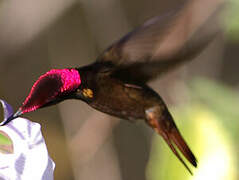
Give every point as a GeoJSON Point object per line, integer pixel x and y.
{"type": "Point", "coordinates": [116, 83]}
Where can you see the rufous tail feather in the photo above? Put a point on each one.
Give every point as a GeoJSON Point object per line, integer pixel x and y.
{"type": "Point", "coordinates": [163, 124]}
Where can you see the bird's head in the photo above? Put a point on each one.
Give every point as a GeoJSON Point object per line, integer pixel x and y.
{"type": "Point", "coordinates": [50, 88]}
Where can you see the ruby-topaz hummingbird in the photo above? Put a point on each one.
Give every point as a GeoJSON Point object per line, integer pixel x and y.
{"type": "Point", "coordinates": [116, 83]}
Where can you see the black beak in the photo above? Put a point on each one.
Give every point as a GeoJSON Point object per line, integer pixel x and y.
{"type": "Point", "coordinates": [10, 118]}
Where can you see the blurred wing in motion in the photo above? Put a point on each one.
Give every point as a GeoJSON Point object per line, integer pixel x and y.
{"type": "Point", "coordinates": [160, 44]}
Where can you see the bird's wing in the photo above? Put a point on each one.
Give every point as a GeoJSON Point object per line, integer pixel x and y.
{"type": "Point", "coordinates": [159, 44]}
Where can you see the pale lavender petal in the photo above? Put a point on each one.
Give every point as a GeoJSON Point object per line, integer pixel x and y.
{"type": "Point", "coordinates": [8, 111]}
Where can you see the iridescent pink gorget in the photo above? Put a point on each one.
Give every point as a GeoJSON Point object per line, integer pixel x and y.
{"type": "Point", "coordinates": [55, 82]}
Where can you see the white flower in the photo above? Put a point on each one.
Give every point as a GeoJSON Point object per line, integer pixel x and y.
{"type": "Point", "coordinates": [30, 159]}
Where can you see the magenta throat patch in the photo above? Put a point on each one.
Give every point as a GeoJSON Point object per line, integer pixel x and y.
{"type": "Point", "coordinates": [54, 83]}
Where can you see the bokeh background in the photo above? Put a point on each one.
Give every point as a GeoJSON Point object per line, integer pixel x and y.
{"type": "Point", "coordinates": [202, 95]}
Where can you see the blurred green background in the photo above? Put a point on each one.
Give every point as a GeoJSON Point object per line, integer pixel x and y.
{"type": "Point", "coordinates": [36, 36]}
{"type": "Point", "coordinates": [210, 123]}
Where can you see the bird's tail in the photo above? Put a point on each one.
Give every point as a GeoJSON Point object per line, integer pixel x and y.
{"type": "Point", "coordinates": [163, 124]}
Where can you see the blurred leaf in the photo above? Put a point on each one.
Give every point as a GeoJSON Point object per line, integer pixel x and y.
{"type": "Point", "coordinates": [220, 99]}
{"type": "Point", "coordinates": [231, 21]}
